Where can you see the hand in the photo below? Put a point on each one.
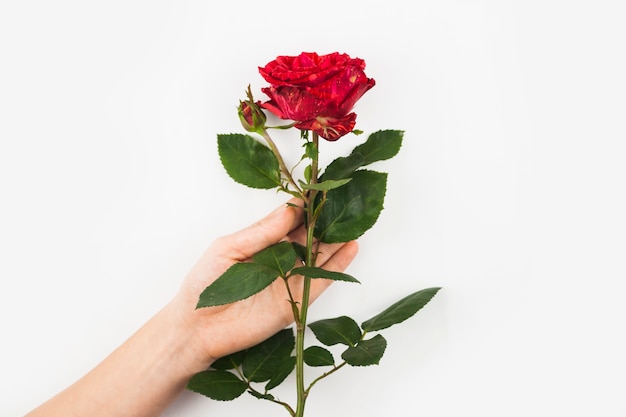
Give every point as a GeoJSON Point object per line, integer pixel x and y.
{"type": "Point", "coordinates": [142, 376]}
{"type": "Point", "coordinates": [222, 330]}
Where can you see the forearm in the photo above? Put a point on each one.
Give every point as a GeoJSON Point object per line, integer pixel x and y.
{"type": "Point", "coordinates": [140, 378]}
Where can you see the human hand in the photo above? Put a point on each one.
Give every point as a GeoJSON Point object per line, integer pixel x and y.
{"type": "Point", "coordinates": [218, 331]}
{"type": "Point", "coordinates": [181, 340]}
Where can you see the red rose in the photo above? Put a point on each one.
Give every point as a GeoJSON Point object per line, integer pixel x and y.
{"type": "Point", "coordinates": [317, 92]}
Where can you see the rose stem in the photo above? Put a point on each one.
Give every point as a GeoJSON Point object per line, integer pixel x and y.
{"type": "Point", "coordinates": [281, 162]}
{"type": "Point", "coordinates": [310, 261]}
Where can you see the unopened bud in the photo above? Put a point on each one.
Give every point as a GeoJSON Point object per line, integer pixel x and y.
{"type": "Point", "coordinates": [251, 115]}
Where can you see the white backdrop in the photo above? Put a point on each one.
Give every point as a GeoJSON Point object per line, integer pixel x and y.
{"type": "Point", "coordinates": [508, 191]}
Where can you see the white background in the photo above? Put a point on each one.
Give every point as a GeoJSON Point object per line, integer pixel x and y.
{"type": "Point", "coordinates": [509, 191]}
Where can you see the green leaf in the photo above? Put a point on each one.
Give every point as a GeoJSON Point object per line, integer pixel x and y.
{"type": "Point", "coordinates": [316, 272]}
{"type": "Point", "coordinates": [381, 145]}
{"type": "Point", "coordinates": [308, 173]}
{"type": "Point", "coordinates": [260, 396]}
{"type": "Point", "coordinates": [325, 185]}
{"type": "Point", "coordinates": [367, 352]}
{"type": "Point", "coordinates": [341, 329]}
{"type": "Point", "coordinates": [240, 281]}
{"type": "Point", "coordinates": [263, 361]}
{"type": "Point", "coordinates": [400, 310]}
{"type": "Point", "coordinates": [248, 161]}
{"type": "Point", "coordinates": [300, 250]}
{"type": "Point", "coordinates": [231, 361]}
{"type": "Point", "coordinates": [343, 167]}
{"type": "Point", "coordinates": [318, 356]}
{"type": "Point", "coordinates": [310, 150]}
{"type": "Point", "coordinates": [280, 257]}
{"type": "Point", "coordinates": [353, 209]}
{"type": "Point", "coordinates": [218, 385]}
{"type": "Point", "coordinates": [282, 372]}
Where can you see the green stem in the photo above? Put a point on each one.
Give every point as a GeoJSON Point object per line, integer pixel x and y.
{"type": "Point", "coordinates": [310, 261]}
{"type": "Point", "coordinates": [325, 374]}
{"type": "Point", "coordinates": [281, 162]}
{"type": "Point", "coordinates": [284, 404]}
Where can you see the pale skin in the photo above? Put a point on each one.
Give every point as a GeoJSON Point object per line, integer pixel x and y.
{"type": "Point", "coordinates": [150, 369]}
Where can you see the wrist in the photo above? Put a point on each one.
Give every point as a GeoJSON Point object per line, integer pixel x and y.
{"type": "Point", "coordinates": [188, 334]}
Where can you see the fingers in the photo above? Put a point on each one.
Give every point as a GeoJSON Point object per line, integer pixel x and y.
{"type": "Point", "coordinates": [270, 230]}
{"type": "Point", "coordinates": [339, 260]}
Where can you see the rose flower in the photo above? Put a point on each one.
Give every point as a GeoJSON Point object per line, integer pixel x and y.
{"type": "Point", "coordinates": [318, 92]}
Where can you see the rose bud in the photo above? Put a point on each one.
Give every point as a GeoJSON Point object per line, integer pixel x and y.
{"type": "Point", "coordinates": [251, 115]}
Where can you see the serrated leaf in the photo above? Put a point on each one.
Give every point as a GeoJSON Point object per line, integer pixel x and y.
{"type": "Point", "coordinates": [261, 396]}
{"type": "Point", "coordinates": [343, 167]}
{"type": "Point", "coordinates": [300, 250]}
{"type": "Point", "coordinates": [218, 385]}
{"type": "Point", "coordinates": [381, 145]}
{"type": "Point", "coordinates": [325, 185]}
{"type": "Point", "coordinates": [263, 361]}
{"type": "Point", "coordinates": [248, 161]}
{"type": "Point", "coordinates": [367, 352]}
{"type": "Point", "coordinates": [318, 356]}
{"type": "Point", "coordinates": [280, 257]}
{"type": "Point", "coordinates": [282, 372]}
{"type": "Point", "coordinates": [240, 281]}
{"type": "Point", "coordinates": [341, 329]}
{"type": "Point", "coordinates": [400, 310]}
{"type": "Point", "coordinates": [231, 361]}
{"type": "Point", "coordinates": [353, 209]}
{"type": "Point", "coordinates": [317, 272]}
